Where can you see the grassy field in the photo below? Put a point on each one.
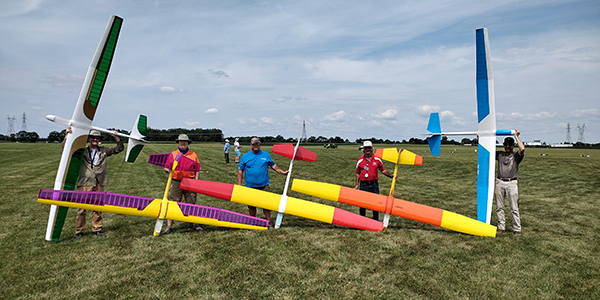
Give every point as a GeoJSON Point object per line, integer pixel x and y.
{"type": "Point", "coordinates": [556, 258]}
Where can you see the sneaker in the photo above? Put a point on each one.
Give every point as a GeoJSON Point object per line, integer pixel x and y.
{"type": "Point", "coordinates": [78, 235]}
{"type": "Point", "coordinates": [517, 233]}
{"type": "Point", "coordinates": [499, 231]}
{"type": "Point", "coordinates": [168, 230]}
{"type": "Point", "coordinates": [98, 233]}
{"type": "Point", "coordinates": [197, 227]}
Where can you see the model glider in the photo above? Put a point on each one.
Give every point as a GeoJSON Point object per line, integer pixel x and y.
{"type": "Point", "coordinates": [154, 208]}
{"type": "Point", "coordinates": [299, 153]}
{"type": "Point", "coordinates": [393, 206]}
{"type": "Point", "coordinates": [402, 157]}
{"type": "Point", "coordinates": [81, 123]}
{"type": "Point", "coordinates": [268, 200]}
{"type": "Point", "coordinates": [487, 132]}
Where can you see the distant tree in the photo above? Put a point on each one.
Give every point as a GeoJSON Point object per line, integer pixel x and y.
{"type": "Point", "coordinates": [55, 136]}
{"type": "Point", "coordinates": [417, 141]}
{"type": "Point", "coordinates": [27, 137]}
{"type": "Point", "coordinates": [322, 139]}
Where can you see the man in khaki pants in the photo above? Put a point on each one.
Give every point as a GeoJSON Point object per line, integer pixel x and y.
{"type": "Point", "coordinates": [93, 176]}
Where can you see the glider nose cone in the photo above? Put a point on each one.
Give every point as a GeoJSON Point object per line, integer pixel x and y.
{"type": "Point", "coordinates": [51, 118]}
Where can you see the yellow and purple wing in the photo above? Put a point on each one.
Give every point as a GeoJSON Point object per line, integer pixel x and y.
{"type": "Point", "coordinates": [152, 208]}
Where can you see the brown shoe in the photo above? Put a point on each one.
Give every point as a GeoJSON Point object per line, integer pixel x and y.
{"type": "Point", "coordinates": [98, 233]}
{"type": "Point", "coordinates": [78, 235]}
{"type": "Point", "coordinates": [499, 231]}
{"type": "Point", "coordinates": [517, 233]}
{"type": "Point", "coordinates": [168, 230]}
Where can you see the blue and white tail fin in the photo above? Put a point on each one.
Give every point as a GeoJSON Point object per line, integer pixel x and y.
{"type": "Point", "coordinates": [435, 141]}
{"type": "Point", "coordinates": [136, 137]}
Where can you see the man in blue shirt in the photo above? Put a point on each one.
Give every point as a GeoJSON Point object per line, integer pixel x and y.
{"type": "Point", "coordinates": [226, 151]}
{"type": "Point", "coordinates": [254, 167]}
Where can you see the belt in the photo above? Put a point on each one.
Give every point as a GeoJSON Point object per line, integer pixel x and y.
{"type": "Point", "coordinates": [507, 179]}
{"type": "Point", "coordinates": [176, 180]}
{"type": "Point", "coordinates": [368, 182]}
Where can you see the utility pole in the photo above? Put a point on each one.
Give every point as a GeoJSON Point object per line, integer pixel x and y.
{"type": "Point", "coordinates": [24, 124]}
{"type": "Point", "coordinates": [581, 137]}
{"type": "Point", "coordinates": [568, 138]}
{"type": "Point", "coordinates": [303, 137]}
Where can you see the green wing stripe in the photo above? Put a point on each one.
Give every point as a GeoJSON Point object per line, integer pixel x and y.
{"type": "Point", "coordinates": [61, 216]}
{"type": "Point", "coordinates": [142, 125]}
{"type": "Point", "coordinates": [104, 64]}
{"type": "Point", "coordinates": [70, 184]}
{"type": "Point", "coordinates": [135, 151]}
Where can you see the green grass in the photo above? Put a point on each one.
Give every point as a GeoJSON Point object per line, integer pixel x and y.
{"type": "Point", "coordinates": [557, 256]}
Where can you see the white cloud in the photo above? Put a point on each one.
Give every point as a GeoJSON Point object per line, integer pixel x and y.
{"type": "Point", "coordinates": [192, 123]}
{"type": "Point", "coordinates": [211, 111]}
{"type": "Point", "coordinates": [166, 89]}
{"type": "Point", "coordinates": [336, 116]}
{"type": "Point", "coordinates": [267, 120]}
{"type": "Point", "coordinates": [584, 112]}
{"type": "Point", "coordinates": [64, 81]}
{"type": "Point", "coordinates": [520, 116]}
{"type": "Point", "coordinates": [389, 114]}
{"type": "Point", "coordinates": [13, 8]}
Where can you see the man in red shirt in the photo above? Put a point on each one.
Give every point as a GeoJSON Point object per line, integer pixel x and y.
{"type": "Point", "coordinates": [367, 167]}
{"type": "Point", "coordinates": [175, 192]}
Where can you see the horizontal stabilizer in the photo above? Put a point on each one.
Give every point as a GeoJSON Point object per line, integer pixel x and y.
{"type": "Point", "coordinates": [287, 150]}
{"type": "Point", "coordinates": [166, 160]}
{"type": "Point", "coordinates": [404, 158]}
{"type": "Point", "coordinates": [134, 144]}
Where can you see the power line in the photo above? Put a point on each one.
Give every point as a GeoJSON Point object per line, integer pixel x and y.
{"type": "Point", "coordinates": [24, 124]}
{"type": "Point", "coordinates": [581, 137]}
{"type": "Point", "coordinates": [303, 137]}
{"type": "Point", "coordinates": [568, 138]}
{"type": "Point", "coordinates": [11, 124]}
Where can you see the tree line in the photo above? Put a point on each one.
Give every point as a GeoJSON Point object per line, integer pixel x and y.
{"type": "Point", "coordinates": [216, 135]}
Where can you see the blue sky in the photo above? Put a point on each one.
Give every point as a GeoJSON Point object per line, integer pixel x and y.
{"type": "Point", "coordinates": [348, 68]}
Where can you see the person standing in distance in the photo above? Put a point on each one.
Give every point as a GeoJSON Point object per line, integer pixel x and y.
{"type": "Point", "coordinates": [367, 169]}
{"type": "Point", "coordinates": [175, 192]}
{"type": "Point", "coordinates": [237, 148]}
{"type": "Point", "coordinates": [254, 168]}
{"type": "Point", "coordinates": [506, 182]}
{"type": "Point", "coordinates": [226, 151]}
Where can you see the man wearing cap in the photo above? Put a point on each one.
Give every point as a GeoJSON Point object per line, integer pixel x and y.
{"type": "Point", "coordinates": [93, 176]}
{"type": "Point", "coordinates": [367, 167]}
{"type": "Point", "coordinates": [254, 167]}
{"type": "Point", "coordinates": [506, 182]}
{"type": "Point", "coordinates": [175, 192]}
{"type": "Point", "coordinates": [226, 151]}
